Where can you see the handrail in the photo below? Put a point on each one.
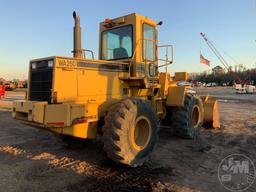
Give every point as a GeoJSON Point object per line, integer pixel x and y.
{"type": "Point", "coordinates": [134, 52]}
{"type": "Point", "coordinates": [90, 51]}
{"type": "Point", "coordinates": [167, 61]}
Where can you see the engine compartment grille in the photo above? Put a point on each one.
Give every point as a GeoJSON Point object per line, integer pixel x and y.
{"type": "Point", "coordinates": [40, 81]}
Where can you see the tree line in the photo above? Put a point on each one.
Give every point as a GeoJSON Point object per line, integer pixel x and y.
{"type": "Point", "coordinates": [247, 76]}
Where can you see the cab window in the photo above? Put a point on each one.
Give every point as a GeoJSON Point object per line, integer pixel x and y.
{"type": "Point", "coordinates": [148, 42]}
{"type": "Point", "coordinates": [117, 43]}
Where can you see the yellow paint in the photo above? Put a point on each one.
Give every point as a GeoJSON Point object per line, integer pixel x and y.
{"type": "Point", "coordinates": [57, 114]}
{"type": "Point", "coordinates": [137, 21]}
{"type": "Point", "coordinates": [211, 111]}
{"type": "Point", "coordinates": [176, 96]}
{"type": "Point", "coordinates": [134, 145]}
{"type": "Point", "coordinates": [164, 80]}
{"type": "Point", "coordinates": [39, 111]}
{"type": "Point", "coordinates": [83, 130]}
{"type": "Point", "coordinates": [181, 76]}
{"type": "Point", "coordinates": [86, 88]}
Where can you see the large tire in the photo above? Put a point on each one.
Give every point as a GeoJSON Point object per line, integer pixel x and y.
{"type": "Point", "coordinates": [130, 132]}
{"type": "Point", "coordinates": [186, 121]}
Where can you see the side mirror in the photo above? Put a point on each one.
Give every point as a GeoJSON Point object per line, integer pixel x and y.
{"type": "Point", "coordinates": [160, 23]}
{"type": "Point", "coordinates": [153, 69]}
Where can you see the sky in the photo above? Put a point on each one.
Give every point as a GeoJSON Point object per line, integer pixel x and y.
{"type": "Point", "coordinates": [32, 29]}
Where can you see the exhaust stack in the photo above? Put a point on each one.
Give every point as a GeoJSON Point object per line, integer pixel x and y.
{"type": "Point", "coordinates": [77, 51]}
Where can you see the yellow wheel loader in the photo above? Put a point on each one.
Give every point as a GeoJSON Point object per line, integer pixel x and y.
{"type": "Point", "coordinates": [124, 97]}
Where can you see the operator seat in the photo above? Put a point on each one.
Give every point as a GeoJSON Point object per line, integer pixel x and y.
{"type": "Point", "coordinates": [119, 53]}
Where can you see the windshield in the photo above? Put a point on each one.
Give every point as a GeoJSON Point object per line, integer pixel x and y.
{"type": "Point", "coordinates": [117, 43]}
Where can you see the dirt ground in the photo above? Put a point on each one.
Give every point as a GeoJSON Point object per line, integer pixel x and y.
{"type": "Point", "coordinates": [32, 160]}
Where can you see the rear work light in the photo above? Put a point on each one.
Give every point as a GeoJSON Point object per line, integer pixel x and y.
{"type": "Point", "coordinates": [33, 65]}
{"type": "Point", "coordinates": [50, 63]}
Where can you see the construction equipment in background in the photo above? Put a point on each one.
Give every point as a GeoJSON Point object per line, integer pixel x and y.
{"type": "Point", "coordinates": [12, 85]}
{"type": "Point", "coordinates": [121, 97]}
{"type": "Point", "coordinates": [240, 86]}
{"type": "Point", "coordinates": [221, 58]}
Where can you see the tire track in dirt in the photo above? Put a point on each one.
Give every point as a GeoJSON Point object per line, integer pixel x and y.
{"type": "Point", "coordinates": [111, 177]}
{"type": "Point", "coordinates": [105, 177]}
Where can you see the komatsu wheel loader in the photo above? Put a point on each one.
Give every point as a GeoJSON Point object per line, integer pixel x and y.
{"type": "Point", "coordinates": [122, 97]}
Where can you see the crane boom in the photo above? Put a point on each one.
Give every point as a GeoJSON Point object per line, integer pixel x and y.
{"type": "Point", "coordinates": [221, 58]}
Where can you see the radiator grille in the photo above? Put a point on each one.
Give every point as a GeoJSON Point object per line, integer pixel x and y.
{"type": "Point", "coordinates": [40, 81]}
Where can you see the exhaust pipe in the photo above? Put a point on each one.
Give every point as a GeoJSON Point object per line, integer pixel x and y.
{"type": "Point", "coordinates": [77, 48]}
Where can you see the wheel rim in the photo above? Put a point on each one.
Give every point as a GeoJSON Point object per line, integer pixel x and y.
{"type": "Point", "coordinates": [195, 116]}
{"type": "Point", "coordinates": [141, 133]}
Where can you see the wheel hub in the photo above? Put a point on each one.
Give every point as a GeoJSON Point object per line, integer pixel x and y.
{"type": "Point", "coordinates": [195, 116]}
{"type": "Point", "coordinates": [141, 133]}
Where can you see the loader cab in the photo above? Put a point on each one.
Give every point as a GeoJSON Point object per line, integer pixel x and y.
{"type": "Point", "coordinates": [129, 38]}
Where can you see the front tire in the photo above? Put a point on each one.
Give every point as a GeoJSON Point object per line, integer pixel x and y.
{"type": "Point", "coordinates": [130, 132]}
{"type": "Point", "coordinates": [186, 121]}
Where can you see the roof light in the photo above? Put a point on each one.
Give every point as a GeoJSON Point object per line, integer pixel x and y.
{"type": "Point", "coordinates": [50, 63]}
{"type": "Point", "coordinates": [33, 65]}
{"type": "Point", "coordinates": [107, 20]}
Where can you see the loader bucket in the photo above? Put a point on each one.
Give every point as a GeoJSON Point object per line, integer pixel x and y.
{"type": "Point", "coordinates": [211, 112]}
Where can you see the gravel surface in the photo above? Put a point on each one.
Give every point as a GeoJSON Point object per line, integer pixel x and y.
{"type": "Point", "coordinates": [32, 160]}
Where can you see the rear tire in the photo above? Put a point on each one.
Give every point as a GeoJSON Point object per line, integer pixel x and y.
{"type": "Point", "coordinates": [186, 121]}
{"type": "Point", "coordinates": [130, 132]}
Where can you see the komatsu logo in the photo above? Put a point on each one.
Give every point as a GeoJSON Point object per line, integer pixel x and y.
{"type": "Point", "coordinates": [67, 63]}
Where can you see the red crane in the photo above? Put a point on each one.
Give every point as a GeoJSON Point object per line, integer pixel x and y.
{"type": "Point", "coordinates": [221, 58]}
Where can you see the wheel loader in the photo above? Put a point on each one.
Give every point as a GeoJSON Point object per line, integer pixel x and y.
{"type": "Point", "coordinates": [123, 98]}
